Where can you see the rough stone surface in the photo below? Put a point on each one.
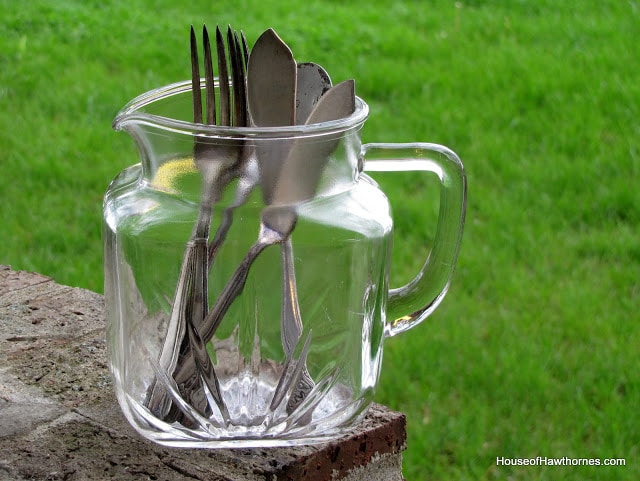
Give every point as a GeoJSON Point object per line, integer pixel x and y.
{"type": "Point", "coordinates": [59, 419]}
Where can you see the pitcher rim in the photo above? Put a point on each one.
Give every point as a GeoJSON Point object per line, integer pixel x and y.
{"type": "Point", "coordinates": [131, 113]}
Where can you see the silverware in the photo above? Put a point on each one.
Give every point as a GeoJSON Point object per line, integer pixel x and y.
{"type": "Point", "coordinates": [275, 91]}
{"type": "Point", "coordinates": [272, 79]}
{"type": "Point", "coordinates": [218, 164]}
{"type": "Point", "coordinates": [312, 82]}
{"type": "Point", "coordinates": [296, 183]}
{"type": "Point", "coordinates": [303, 166]}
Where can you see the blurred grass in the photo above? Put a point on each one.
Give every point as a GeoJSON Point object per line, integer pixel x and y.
{"type": "Point", "coordinates": [535, 349]}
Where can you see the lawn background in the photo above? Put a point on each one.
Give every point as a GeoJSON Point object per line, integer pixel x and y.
{"type": "Point", "coordinates": [535, 351]}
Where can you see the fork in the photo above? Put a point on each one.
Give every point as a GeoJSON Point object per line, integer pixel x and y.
{"type": "Point", "coordinates": [218, 164]}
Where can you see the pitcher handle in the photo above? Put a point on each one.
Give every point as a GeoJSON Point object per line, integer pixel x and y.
{"type": "Point", "coordinates": [412, 303]}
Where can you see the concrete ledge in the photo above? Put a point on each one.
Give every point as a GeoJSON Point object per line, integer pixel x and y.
{"type": "Point", "coordinates": [59, 418]}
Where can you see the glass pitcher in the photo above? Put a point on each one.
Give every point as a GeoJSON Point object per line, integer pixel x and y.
{"type": "Point", "coordinates": [235, 320]}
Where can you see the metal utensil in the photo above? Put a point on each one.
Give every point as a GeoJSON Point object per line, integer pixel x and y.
{"type": "Point", "coordinates": [296, 183]}
{"type": "Point", "coordinates": [301, 170]}
{"type": "Point", "coordinates": [279, 218]}
{"type": "Point", "coordinates": [312, 82]}
{"type": "Point", "coordinates": [271, 96]}
{"type": "Point", "coordinates": [286, 178]}
{"type": "Point", "coordinates": [272, 79]}
{"type": "Point", "coordinates": [218, 164]}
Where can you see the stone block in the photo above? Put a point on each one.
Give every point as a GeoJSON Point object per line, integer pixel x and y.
{"type": "Point", "coordinates": [59, 418]}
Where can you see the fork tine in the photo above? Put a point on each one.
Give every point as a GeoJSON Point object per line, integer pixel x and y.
{"type": "Point", "coordinates": [208, 76]}
{"type": "Point", "coordinates": [245, 54]}
{"type": "Point", "coordinates": [245, 48]}
{"type": "Point", "coordinates": [223, 79]}
{"type": "Point", "coordinates": [233, 62]}
{"type": "Point", "coordinates": [195, 79]}
{"type": "Point", "coordinates": [242, 60]}
{"type": "Point", "coordinates": [237, 74]}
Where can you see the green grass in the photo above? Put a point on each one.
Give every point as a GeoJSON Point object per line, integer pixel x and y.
{"type": "Point", "coordinates": [535, 351]}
